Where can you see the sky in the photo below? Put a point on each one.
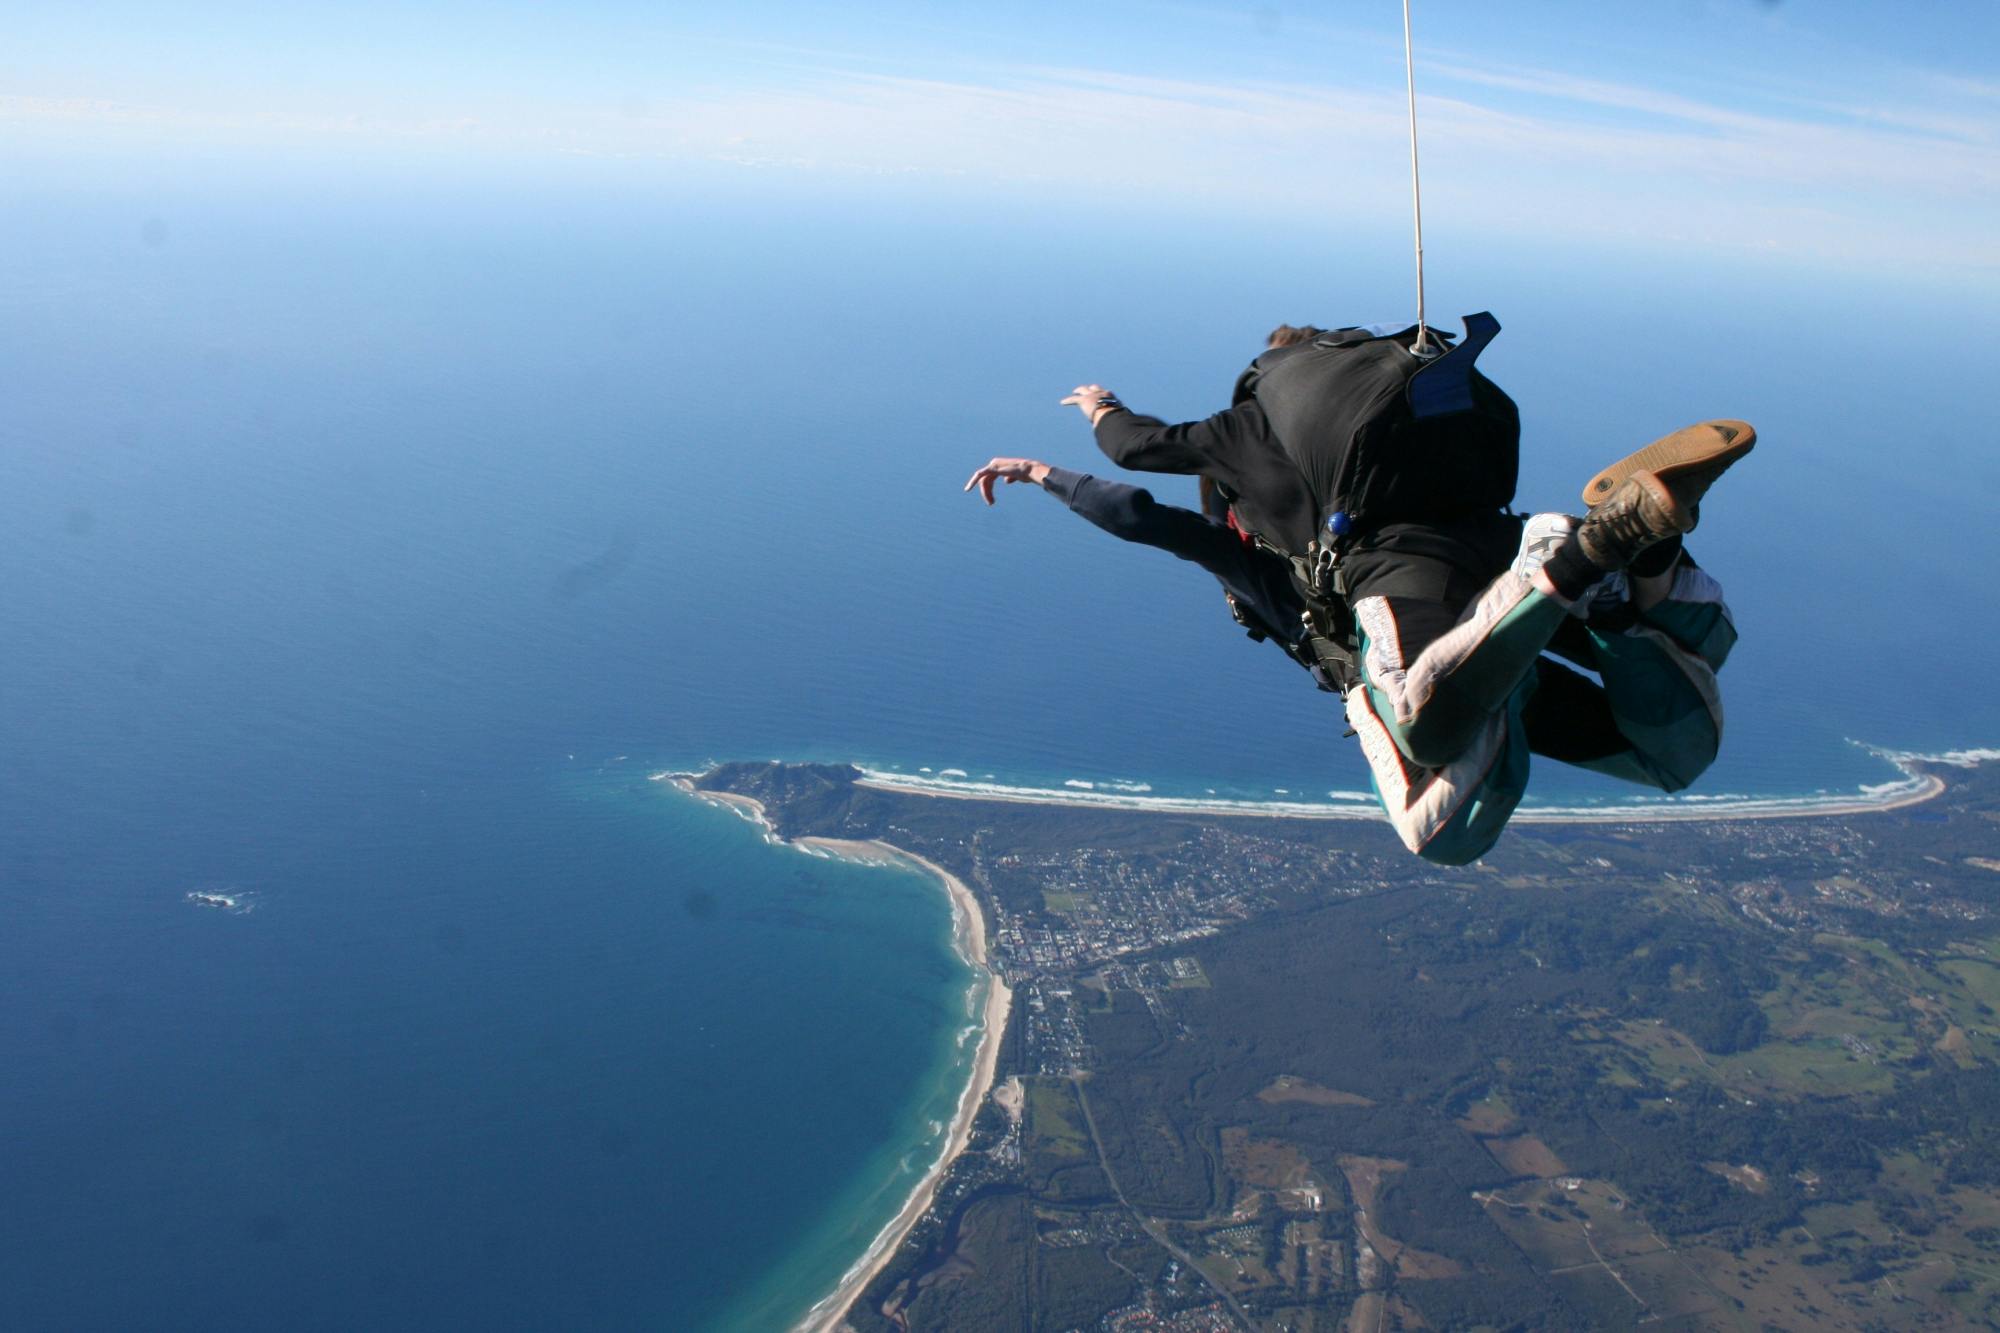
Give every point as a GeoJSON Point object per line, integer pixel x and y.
{"type": "Point", "coordinates": [1833, 132]}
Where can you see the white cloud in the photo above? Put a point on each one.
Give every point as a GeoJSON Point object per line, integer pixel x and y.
{"type": "Point", "coordinates": [1677, 169]}
{"type": "Point", "coordinates": [1528, 150]}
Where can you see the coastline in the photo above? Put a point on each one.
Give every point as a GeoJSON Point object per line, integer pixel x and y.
{"type": "Point", "coordinates": [969, 938]}
{"type": "Point", "coordinates": [995, 998]}
{"type": "Point", "coordinates": [1915, 788]}
{"type": "Point", "coordinates": [968, 929]}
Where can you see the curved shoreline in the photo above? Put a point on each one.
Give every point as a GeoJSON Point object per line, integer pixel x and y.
{"type": "Point", "coordinates": [1916, 790]}
{"type": "Point", "coordinates": [969, 925]}
{"type": "Point", "coordinates": [968, 930]}
{"type": "Point", "coordinates": [1915, 787]}
{"type": "Point", "coordinates": [969, 938]}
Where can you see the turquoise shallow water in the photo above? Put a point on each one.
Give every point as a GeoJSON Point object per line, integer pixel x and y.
{"type": "Point", "coordinates": [811, 1157]}
{"type": "Point", "coordinates": [351, 536]}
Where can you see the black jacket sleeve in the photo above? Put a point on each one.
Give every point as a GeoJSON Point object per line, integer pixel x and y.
{"type": "Point", "coordinates": [1127, 512]}
{"type": "Point", "coordinates": [1216, 448]}
{"type": "Point", "coordinates": [1235, 449]}
{"type": "Point", "coordinates": [1259, 582]}
{"type": "Point", "coordinates": [1132, 514]}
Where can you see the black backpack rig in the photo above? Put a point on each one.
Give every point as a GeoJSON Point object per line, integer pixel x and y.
{"type": "Point", "coordinates": [1380, 434]}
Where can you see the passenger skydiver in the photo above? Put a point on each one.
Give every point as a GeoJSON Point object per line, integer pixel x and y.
{"type": "Point", "coordinates": [1432, 613]}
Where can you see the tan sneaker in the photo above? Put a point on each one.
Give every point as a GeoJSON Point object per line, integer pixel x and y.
{"type": "Point", "coordinates": [1641, 510]}
{"type": "Point", "coordinates": [1688, 461]}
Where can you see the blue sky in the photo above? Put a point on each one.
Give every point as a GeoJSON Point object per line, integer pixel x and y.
{"type": "Point", "coordinates": [1840, 132]}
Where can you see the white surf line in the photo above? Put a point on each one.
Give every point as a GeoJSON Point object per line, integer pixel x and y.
{"type": "Point", "coordinates": [1092, 799]}
{"type": "Point", "coordinates": [993, 1000]}
{"type": "Point", "coordinates": [1913, 788]}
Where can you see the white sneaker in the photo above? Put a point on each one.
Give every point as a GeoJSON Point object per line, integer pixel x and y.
{"type": "Point", "coordinates": [1541, 537]}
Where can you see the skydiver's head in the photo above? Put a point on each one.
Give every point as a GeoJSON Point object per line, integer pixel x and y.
{"type": "Point", "coordinates": [1287, 335]}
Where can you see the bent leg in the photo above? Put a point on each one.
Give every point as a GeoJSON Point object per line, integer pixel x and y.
{"type": "Point", "coordinates": [1452, 814]}
{"type": "Point", "coordinates": [1657, 719]}
{"type": "Point", "coordinates": [1437, 679]}
{"type": "Point", "coordinates": [1448, 714]}
{"type": "Point", "coordinates": [1659, 677]}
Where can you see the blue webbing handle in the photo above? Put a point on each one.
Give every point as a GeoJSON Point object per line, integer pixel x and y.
{"type": "Point", "coordinates": [1445, 385]}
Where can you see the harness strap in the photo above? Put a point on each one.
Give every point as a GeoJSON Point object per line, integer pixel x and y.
{"type": "Point", "coordinates": [1252, 625]}
{"type": "Point", "coordinates": [1333, 664]}
{"type": "Point", "coordinates": [1329, 662]}
{"type": "Point", "coordinates": [1329, 624]}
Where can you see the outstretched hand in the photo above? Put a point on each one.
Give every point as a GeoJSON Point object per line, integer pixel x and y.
{"type": "Point", "coordinates": [1093, 400]}
{"type": "Point", "coordinates": [1009, 470]}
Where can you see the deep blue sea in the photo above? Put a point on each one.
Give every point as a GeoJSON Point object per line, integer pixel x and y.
{"type": "Point", "coordinates": [364, 544]}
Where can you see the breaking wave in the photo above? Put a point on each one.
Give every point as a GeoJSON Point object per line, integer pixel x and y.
{"type": "Point", "coordinates": [1913, 786]}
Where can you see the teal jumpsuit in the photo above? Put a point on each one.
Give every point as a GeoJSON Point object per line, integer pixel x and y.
{"type": "Point", "coordinates": [1444, 717]}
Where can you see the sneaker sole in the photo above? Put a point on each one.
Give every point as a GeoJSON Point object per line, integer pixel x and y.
{"type": "Point", "coordinates": [1614, 553]}
{"type": "Point", "coordinates": [1710, 446]}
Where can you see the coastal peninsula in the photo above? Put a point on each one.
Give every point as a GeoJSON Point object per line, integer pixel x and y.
{"type": "Point", "coordinates": [1266, 1071]}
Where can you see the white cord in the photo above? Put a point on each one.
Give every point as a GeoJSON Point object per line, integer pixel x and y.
{"type": "Point", "coordinates": [1416, 188]}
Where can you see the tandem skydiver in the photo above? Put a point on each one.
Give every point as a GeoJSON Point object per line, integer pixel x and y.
{"type": "Point", "coordinates": [1367, 534]}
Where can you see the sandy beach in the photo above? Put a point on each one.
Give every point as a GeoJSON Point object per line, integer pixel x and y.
{"type": "Point", "coordinates": [1915, 788]}
{"type": "Point", "coordinates": [750, 809]}
{"type": "Point", "coordinates": [968, 929]}
{"type": "Point", "coordinates": [969, 935]}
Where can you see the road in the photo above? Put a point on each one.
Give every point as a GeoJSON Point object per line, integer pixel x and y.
{"type": "Point", "coordinates": [1152, 1228]}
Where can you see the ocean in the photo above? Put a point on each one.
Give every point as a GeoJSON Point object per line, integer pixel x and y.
{"type": "Point", "coordinates": [367, 547]}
